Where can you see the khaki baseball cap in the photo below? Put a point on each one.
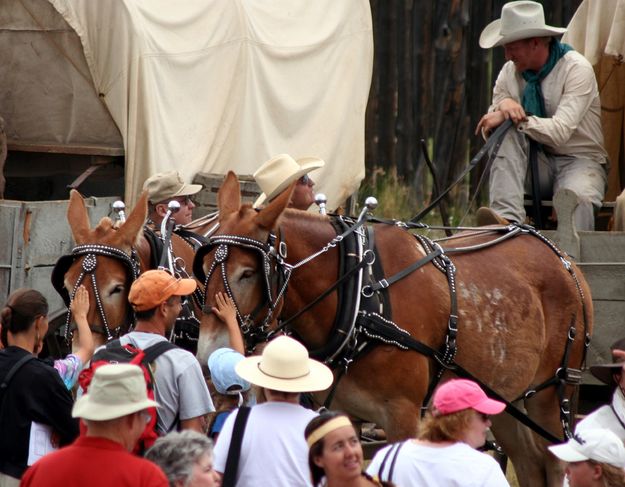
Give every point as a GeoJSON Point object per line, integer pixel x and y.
{"type": "Point", "coordinates": [167, 185]}
{"type": "Point", "coordinates": [156, 286]}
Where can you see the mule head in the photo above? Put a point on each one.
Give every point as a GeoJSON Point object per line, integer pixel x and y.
{"type": "Point", "coordinates": [105, 274]}
{"type": "Point", "coordinates": [243, 267]}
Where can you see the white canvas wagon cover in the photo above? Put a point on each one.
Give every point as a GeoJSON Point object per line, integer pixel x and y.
{"type": "Point", "coordinates": [213, 85]}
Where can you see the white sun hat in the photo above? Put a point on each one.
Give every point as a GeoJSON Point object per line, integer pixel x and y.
{"type": "Point", "coordinates": [519, 20]}
{"type": "Point", "coordinates": [277, 173]}
{"type": "Point", "coordinates": [285, 366]}
{"type": "Point", "coordinates": [116, 390]}
{"type": "Point", "coordinates": [600, 445]}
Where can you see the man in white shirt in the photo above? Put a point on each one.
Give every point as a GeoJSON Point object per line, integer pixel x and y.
{"type": "Point", "coordinates": [550, 93]}
{"type": "Point", "coordinates": [274, 452]}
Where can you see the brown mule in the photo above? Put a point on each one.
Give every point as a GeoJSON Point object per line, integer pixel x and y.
{"type": "Point", "coordinates": [119, 249]}
{"type": "Point", "coordinates": [516, 301]}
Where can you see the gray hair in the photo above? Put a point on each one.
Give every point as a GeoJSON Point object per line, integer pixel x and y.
{"type": "Point", "coordinates": [177, 452]}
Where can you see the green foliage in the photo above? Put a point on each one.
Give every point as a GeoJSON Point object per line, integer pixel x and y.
{"type": "Point", "coordinates": [399, 200]}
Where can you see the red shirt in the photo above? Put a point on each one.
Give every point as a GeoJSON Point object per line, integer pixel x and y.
{"type": "Point", "coordinates": [96, 462]}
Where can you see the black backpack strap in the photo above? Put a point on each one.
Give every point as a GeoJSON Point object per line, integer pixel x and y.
{"type": "Point", "coordinates": [154, 351]}
{"type": "Point", "coordinates": [13, 370]}
{"type": "Point", "coordinates": [234, 452]}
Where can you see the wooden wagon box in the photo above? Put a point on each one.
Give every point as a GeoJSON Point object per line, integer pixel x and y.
{"type": "Point", "coordinates": [34, 235]}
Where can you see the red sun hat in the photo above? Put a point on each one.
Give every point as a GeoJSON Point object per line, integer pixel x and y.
{"type": "Point", "coordinates": [459, 394]}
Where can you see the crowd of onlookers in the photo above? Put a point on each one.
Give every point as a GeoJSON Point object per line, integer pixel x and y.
{"type": "Point", "coordinates": [274, 441]}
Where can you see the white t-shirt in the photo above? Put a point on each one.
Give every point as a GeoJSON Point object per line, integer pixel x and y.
{"type": "Point", "coordinates": [457, 465]}
{"type": "Point", "coordinates": [273, 452]}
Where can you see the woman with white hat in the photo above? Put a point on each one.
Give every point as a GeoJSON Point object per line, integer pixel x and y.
{"type": "Point", "coordinates": [273, 451]}
{"type": "Point", "coordinates": [275, 175]}
{"type": "Point", "coordinates": [595, 458]}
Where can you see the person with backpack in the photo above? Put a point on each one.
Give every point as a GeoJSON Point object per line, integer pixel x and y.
{"type": "Point", "coordinates": [179, 385]}
{"type": "Point", "coordinates": [115, 413]}
{"type": "Point", "coordinates": [31, 391]}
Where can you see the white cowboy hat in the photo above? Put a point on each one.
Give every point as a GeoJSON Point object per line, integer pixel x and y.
{"type": "Point", "coordinates": [519, 20]}
{"type": "Point", "coordinates": [277, 173]}
{"type": "Point", "coordinates": [116, 390]}
{"type": "Point", "coordinates": [285, 366]}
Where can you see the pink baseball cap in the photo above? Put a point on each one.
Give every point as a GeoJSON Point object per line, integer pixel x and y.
{"type": "Point", "coordinates": [459, 394]}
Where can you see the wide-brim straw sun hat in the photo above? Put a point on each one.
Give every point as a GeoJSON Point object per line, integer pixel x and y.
{"type": "Point", "coordinates": [116, 390]}
{"type": "Point", "coordinates": [275, 175]}
{"type": "Point", "coordinates": [285, 366]}
{"type": "Point", "coordinates": [519, 20]}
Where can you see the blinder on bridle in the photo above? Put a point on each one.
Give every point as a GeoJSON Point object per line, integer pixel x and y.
{"type": "Point", "coordinates": [90, 253]}
{"type": "Point", "coordinates": [274, 283]}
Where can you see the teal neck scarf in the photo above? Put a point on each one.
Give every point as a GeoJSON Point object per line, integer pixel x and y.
{"type": "Point", "coordinates": [533, 101]}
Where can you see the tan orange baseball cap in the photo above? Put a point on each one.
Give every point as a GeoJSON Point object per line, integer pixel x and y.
{"type": "Point", "coordinates": [156, 286]}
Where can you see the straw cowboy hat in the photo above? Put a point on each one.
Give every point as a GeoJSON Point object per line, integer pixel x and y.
{"type": "Point", "coordinates": [604, 372]}
{"type": "Point", "coordinates": [285, 366]}
{"type": "Point", "coordinates": [519, 20]}
{"type": "Point", "coordinates": [116, 390]}
{"type": "Point", "coordinates": [277, 173]}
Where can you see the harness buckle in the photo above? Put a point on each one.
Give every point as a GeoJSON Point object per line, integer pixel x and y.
{"type": "Point", "coordinates": [369, 256]}
{"type": "Point", "coordinates": [572, 333]}
{"type": "Point", "coordinates": [367, 291]}
{"type": "Point", "coordinates": [529, 394]}
{"type": "Point", "coordinates": [282, 249]}
{"type": "Point", "coordinates": [383, 283]}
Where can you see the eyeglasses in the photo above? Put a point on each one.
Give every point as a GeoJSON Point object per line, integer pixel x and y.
{"type": "Point", "coordinates": [305, 180]}
{"type": "Point", "coordinates": [184, 200]}
{"type": "Point", "coordinates": [484, 417]}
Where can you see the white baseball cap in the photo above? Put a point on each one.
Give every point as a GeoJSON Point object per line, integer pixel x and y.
{"type": "Point", "coordinates": [600, 445]}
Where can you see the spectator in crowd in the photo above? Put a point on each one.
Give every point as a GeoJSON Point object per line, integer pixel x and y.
{"type": "Point", "coordinates": [35, 393]}
{"type": "Point", "coordinates": [68, 368]}
{"type": "Point", "coordinates": [275, 175]}
{"type": "Point", "coordinates": [335, 453]}
{"type": "Point", "coordinates": [231, 390]}
{"type": "Point", "coordinates": [186, 458]}
{"type": "Point", "coordinates": [180, 386]}
{"type": "Point", "coordinates": [273, 449]}
{"type": "Point", "coordinates": [611, 416]}
{"type": "Point", "coordinates": [595, 458]}
{"type": "Point", "coordinates": [114, 411]}
{"type": "Point", "coordinates": [550, 93]}
{"type": "Point", "coordinates": [444, 452]}
{"type": "Point", "coordinates": [163, 187]}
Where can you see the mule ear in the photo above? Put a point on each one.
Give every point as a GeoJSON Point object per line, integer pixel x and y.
{"type": "Point", "coordinates": [229, 196]}
{"type": "Point", "coordinates": [268, 216]}
{"type": "Point", "coordinates": [78, 217]}
{"type": "Point", "coordinates": [133, 226]}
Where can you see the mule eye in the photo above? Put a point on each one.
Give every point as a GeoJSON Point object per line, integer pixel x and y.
{"type": "Point", "coordinates": [116, 290]}
{"type": "Point", "coordinates": [247, 274]}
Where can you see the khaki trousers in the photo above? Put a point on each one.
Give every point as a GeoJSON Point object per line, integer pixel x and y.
{"type": "Point", "coordinates": [509, 180]}
{"type": "Point", "coordinates": [7, 481]}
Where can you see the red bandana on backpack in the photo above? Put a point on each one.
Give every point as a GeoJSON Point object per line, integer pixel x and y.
{"type": "Point", "coordinates": [115, 352]}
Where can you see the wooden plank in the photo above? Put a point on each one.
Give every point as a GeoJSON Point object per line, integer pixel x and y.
{"type": "Point", "coordinates": [602, 246]}
{"type": "Point", "coordinates": [96, 150]}
{"type": "Point", "coordinates": [606, 280]}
